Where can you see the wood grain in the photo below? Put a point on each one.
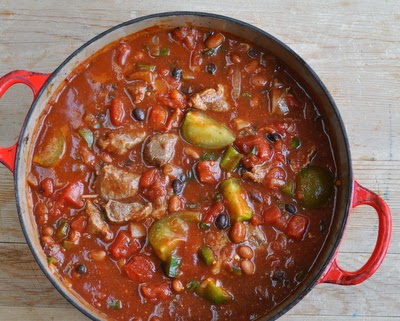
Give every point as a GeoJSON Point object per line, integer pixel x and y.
{"type": "Point", "coordinates": [352, 45]}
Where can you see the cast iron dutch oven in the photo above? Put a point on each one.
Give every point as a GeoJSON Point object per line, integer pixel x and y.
{"type": "Point", "coordinates": [350, 194]}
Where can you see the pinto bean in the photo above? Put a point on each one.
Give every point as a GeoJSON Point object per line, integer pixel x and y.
{"type": "Point", "coordinates": [98, 255]}
{"type": "Point", "coordinates": [245, 252]}
{"type": "Point", "coordinates": [214, 40]}
{"type": "Point", "coordinates": [247, 267]}
{"type": "Point", "coordinates": [238, 232]}
{"type": "Point", "coordinates": [48, 231]}
{"type": "Point", "coordinates": [177, 285]}
{"type": "Point", "coordinates": [259, 81]}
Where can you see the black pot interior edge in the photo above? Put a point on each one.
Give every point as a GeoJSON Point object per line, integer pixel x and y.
{"type": "Point", "coordinates": [344, 152]}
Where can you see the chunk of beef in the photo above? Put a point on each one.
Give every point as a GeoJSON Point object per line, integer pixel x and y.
{"type": "Point", "coordinates": [115, 183]}
{"type": "Point", "coordinates": [160, 149]}
{"type": "Point", "coordinates": [96, 225]}
{"type": "Point", "coordinates": [210, 99]}
{"type": "Point", "coordinates": [257, 173]}
{"type": "Point", "coordinates": [137, 91]}
{"type": "Point", "coordinates": [121, 141]}
{"type": "Point", "coordinates": [121, 212]}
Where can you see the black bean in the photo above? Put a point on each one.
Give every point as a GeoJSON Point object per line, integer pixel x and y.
{"type": "Point", "coordinates": [211, 68]}
{"type": "Point", "coordinates": [290, 208]}
{"type": "Point", "coordinates": [176, 73]}
{"type": "Point", "coordinates": [272, 137]}
{"type": "Point", "coordinates": [222, 221]}
{"type": "Point", "coordinates": [81, 269]}
{"type": "Point", "coordinates": [138, 114]}
{"type": "Point", "coordinates": [252, 53]}
{"type": "Point", "coordinates": [177, 186]}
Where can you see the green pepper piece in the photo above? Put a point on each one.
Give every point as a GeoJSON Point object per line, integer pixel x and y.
{"type": "Point", "coordinates": [288, 189]}
{"type": "Point", "coordinates": [173, 264]}
{"type": "Point", "coordinates": [68, 244]}
{"type": "Point", "coordinates": [62, 228]}
{"type": "Point", "coordinates": [230, 159]}
{"type": "Point", "coordinates": [87, 135]}
{"type": "Point", "coordinates": [207, 255]}
{"type": "Point", "coordinates": [49, 154]}
{"type": "Point", "coordinates": [208, 289]}
{"type": "Point", "coordinates": [236, 200]}
{"type": "Point", "coordinates": [52, 260]}
{"type": "Point", "coordinates": [163, 52]}
{"type": "Point", "coordinates": [168, 233]}
{"type": "Point", "coordinates": [203, 131]}
{"type": "Point", "coordinates": [314, 186]}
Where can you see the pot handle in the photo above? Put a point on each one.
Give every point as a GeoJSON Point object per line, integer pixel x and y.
{"type": "Point", "coordinates": [34, 81]}
{"type": "Point", "coordinates": [334, 273]}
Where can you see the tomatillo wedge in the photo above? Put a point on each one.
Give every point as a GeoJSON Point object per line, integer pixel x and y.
{"type": "Point", "coordinates": [203, 131]}
{"type": "Point", "coordinates": [166, 234]}
{"type": "Point", "coordinates": [314, 186]}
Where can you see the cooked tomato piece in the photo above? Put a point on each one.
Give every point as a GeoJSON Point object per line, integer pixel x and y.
{"type": "Point", "coordinates": [72, 194]}
{"type": "Point", "coordinates": [79, 223]}
{"type": "Point", "coordinates": [117, 112]}
{"type": "Point", "coordinates": [255, 147]}
{"type": "Point", "coordinates": [140, 268]}
{"type": "Point", "coordinates": [124, 245]}
{"type": "Point", "coordinates": [209, 172]}
{"type": "Point", "coordinates": [156, 292]}
{"type": "Point", "coordinates": [175, 99]}
{"type": "Point", "coordinates": [216, 209]}
{"type": "Point", "coordinates": [158, 118]}
{"type": "Point", "coordinates": [273, 216]}
{"type": "Point", "coordinates": [186, 35]}
{"type": "Point", "coordinates": [153, 184]}
{"type": "Point", "coordinates": [297, 227]}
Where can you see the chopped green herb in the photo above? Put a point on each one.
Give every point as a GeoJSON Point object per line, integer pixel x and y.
{"type": "Point", "coordinates": [209, 157]}
{"type": "Point", "coordinates": [146, 67]}
{"type": "Point", "coordinates": [218, 197]}
{"type": "Point", "coordinates": [192, 205]}
{"type": "Point", "coordinates": [204, 226]}
{"type": "Point", "coordinates": [173, 264]}
{"type": "Point", "coordinates": [295, 143]}
{"type": "Point", "coordinates": [235, 270]}
{"type": "Point", "coordinates": [254, 151]}
{"type": "Point", "coordinates": [163, 52]}
{"type": "Point", "coordinates": [114, 304]}
{"type": "Point", "coordinates": [210, 52]}
{"type": "Point", "coordinates": [192, 285]}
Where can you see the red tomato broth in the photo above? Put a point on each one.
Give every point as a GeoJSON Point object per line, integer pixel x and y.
{"type": "Point", "coordinates": [98, 99]}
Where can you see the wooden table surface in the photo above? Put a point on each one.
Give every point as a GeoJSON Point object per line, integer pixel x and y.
{"type": "Point", "coordinates": [352, 45]}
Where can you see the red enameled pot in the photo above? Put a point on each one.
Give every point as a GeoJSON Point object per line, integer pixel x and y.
{"type": "Point", "coordinates": [350, 194]}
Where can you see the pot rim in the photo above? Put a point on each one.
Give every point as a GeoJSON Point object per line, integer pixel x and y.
{"type": "Point", "coordinates": [309, 285]}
